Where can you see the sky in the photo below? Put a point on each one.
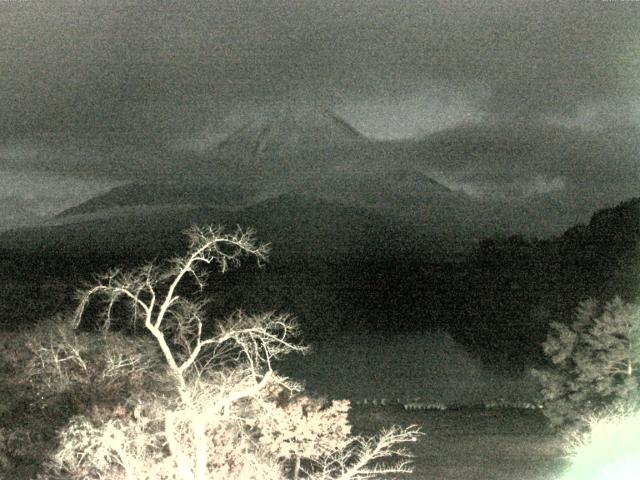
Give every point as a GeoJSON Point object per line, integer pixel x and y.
{"type": "Point", "coordinates": [87, 84]}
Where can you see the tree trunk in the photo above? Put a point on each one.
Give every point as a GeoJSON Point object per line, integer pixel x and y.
{"type": "Point", "coordinates": [296, 468]}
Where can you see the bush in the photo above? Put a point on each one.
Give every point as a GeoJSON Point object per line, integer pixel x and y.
{"type": "Point", "coordinates": [206, 402]}
{"type": "Point", "coordinates": [595, 362]}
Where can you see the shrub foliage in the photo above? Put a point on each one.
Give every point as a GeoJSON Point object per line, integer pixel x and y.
{"type": "Point", "coordinates": [594, 362]}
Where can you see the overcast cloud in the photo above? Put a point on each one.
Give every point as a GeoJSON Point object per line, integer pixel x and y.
{"type": "Point", "coordinates": [92, 86]}
{"type": "Point", "coordinates": [144, 68]}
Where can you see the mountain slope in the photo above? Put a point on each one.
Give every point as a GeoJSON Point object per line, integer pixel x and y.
{"type": "Point", "coordinates": [222, 195]}
{"type": "Point", "coordinates": [301, 227]}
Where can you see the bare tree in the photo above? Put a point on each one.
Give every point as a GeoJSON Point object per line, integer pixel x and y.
{"type": "Point", "coordinates": [232, 416]}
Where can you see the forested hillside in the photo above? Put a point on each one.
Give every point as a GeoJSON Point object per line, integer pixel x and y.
{"type": "Point", "coordinates": [497, 301]}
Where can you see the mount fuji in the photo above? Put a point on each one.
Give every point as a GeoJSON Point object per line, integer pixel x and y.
{"type": "Point", "coordinates": [312, 153]}
{"type": "Point", "coordinates": [316, 157]}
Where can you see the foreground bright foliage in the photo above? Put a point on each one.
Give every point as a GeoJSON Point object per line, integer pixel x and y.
{"type": "Point", "coordinates": [609, 450]}
{"type": "Point", "coordinates": [211, 406]}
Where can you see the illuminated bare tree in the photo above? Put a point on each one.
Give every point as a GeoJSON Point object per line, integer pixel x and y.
{"type": "Point", "coordinates": [232, 416]}
{"type": "Point", "coordinates": [153, 295]}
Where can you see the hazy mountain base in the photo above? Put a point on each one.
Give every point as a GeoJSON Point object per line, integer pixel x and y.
{"type": "Point", "coordinates": [341, 270]}
{"type": "Point", "coordinates": [396, 367]}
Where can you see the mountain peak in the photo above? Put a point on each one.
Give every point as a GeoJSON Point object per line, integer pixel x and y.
{"type": "Point", "coordinates": [288, 131]}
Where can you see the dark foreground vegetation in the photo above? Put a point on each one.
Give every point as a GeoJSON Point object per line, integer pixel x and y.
{"type": "Point", "coordinates": [498, 300]}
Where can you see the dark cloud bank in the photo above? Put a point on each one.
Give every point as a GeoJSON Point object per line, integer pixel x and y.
{"type": "Point", "coordinates": [108, 88]}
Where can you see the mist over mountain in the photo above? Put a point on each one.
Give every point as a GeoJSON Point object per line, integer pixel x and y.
{"type": "Point", "coordinates": [18, 211]}
{"type": "Point", "coordinates": [466, 182]}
